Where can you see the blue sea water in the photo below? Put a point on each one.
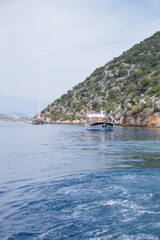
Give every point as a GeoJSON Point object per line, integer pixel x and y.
{"type": "Point", "coordinates": [63, 182]}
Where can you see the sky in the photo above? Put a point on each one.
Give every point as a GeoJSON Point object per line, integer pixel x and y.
{"type": "Point", "coordinates": [49, 46]}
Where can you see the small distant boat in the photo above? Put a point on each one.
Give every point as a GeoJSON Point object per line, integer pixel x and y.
{"type": "Point", "coordinates": [99, 122]}
{"type": "Point", "coordinates": [37, 121]}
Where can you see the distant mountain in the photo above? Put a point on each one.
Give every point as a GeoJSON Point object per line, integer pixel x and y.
{"type": "Point", "coordinates": [17, 116]}
{"type": "Point", "coordinates": [17, 105]}
{"type": "Point", "coordinates": [129, 85]}
{"type": "Point", "coordinates": [14, 117]}
{"type": "Point", "coordinates": [5, 118]}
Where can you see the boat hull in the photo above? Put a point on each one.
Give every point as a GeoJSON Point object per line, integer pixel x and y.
{"type": "Point", "coordinates": [106, 126]}
{"type": "Point", "coordinates": [37, 122]}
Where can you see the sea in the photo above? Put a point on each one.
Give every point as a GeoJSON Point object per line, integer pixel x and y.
{"type": "Point", "coordinates": [62, 182]}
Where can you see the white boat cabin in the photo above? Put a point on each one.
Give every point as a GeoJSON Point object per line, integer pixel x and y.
{"type": "Point", "coordinates": [95, 117]}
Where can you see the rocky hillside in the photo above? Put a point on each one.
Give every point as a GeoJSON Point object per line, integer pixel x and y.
{"type": "Point", "coordinates": [5, 118]}
{"type": "Point", "coordinates": [13, 117]}
{"type": "Point", "coordinates": [129, 85]}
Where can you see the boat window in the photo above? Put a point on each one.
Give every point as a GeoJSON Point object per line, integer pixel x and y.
{"type": "Point", "coordinates": [95, 119]}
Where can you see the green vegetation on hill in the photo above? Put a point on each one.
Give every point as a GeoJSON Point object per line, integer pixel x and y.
{"type": "Point", "coordinates": [129, 85]}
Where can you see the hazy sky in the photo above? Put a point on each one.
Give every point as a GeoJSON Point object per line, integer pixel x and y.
{"type": "Point", "coordinates": [48, 46]}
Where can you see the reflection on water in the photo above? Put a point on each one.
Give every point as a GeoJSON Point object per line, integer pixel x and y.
{"type": "Point", "coordinates": [124, 148]}
{"type": "Point", "coordinates": [28, 151]}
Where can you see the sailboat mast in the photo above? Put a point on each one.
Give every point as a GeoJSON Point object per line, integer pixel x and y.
{"type": "Point", "coordinates": [38, 109]}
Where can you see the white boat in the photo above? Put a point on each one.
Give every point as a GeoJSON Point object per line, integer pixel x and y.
{"type": "Point", "coordinates": [99, 122]}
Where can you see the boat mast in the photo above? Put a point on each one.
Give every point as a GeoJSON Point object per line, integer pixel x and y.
{"type": "Point", "coordinates": [38, 115]}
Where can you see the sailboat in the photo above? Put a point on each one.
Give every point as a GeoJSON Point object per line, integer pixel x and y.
{"type": "Point", "coordinates": [37, 120]}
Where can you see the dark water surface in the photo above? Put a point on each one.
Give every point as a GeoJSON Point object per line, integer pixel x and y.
{"type": "Point", "coordinates": [63, 182]}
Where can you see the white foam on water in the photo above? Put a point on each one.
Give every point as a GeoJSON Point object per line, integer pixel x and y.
{"type": "Point", "coordinates": [146, 196]}
{"type": "Point", "coordinates": [110, 203]}
{"type": "Point", "coordinates": [139, 236]}
{"type": "Point", "coordinates": [128, 219]}
{"type": "Point", "coordinates": [76, 213]}
{"type": "Point", "coordinates": [104, 231]}
{"type": "Point", "coordinates": [98, 231]}
{"type": "Point", "coordinates": [124, 190]}
{"type": "Point", "coordinates": [148, 212]}
{"type": "Point", "coordinates": [96, 238]}
{"type": "Point", "coordinates": [43, 235]}
{"type": "Point", "coordinates": [114, 202]}
{"type": "Point", "coordinates": [134, 206]}
{"type": "Point", "coordinates": [50, 232]}
{"type": "Point", "coordinates": [131, 205]}
{"type": "Point", "coordinates": [156, 224]}
{"type": "Point", "coordinates": [129, 177]}
{"type": "Point", "coordinates": [85, 207]}
{"type": "Point", "coordinates": [66, 190]}
{"type": "Point", "coordinates": [108, 237]}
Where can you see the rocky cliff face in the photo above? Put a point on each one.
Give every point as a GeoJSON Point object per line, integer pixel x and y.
{"type": "Point", "coordinates": [128, 85]}
{"type": "Point", "coordinates": [146, 121]}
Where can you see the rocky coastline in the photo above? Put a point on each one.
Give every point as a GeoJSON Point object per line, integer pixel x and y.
{"type": "Point", "coordinates": [135, 121]}
{"type": "Point", "coordinates": [152, 121]}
